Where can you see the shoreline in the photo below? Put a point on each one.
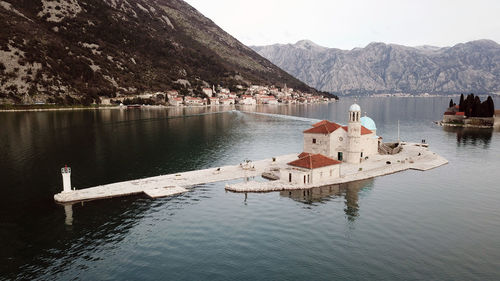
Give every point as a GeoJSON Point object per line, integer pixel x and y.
{"type": "Point", "coordinates": [147, 107]}
{"type": "Point", "coordinates": [465, 125]}
{"type": "Point", "coordinates": [60, 109]}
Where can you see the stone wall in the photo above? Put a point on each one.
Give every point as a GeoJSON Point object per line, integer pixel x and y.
{"type": "Point", "coordinates": [480, 121]}
{"type": "Point", "coordinates": [458, 119]}
{"type": "Point", "coordinates": [472, 121]}
{"type": "Point", "coordinates": [315, 176]}
{"type": "Point", "coordinates": [322, 145]}
{"type": "Point", "coordinates": [325, 174]}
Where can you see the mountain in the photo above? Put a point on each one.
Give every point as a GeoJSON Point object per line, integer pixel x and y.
{"type": "Point", "coordinates": [68, 50]}
{"type": "Point", "coordinates": [389, 68]}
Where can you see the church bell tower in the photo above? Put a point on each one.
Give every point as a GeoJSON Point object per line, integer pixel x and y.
{"type": "Point", "coordinates": [354, 134]}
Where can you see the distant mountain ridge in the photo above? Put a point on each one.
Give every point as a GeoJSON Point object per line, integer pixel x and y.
{"type": "Point", "coordinates": [389, 68]}
{"type": "Point", "coordinates": [66, 50]}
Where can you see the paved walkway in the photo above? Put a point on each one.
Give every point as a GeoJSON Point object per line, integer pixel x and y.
{"type": "Point", "coordinates": [172, 184]}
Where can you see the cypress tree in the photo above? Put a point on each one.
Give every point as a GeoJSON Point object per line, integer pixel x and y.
{"type": "Point", "coordinates": [476, 107]}
{"type": "Point", "coordinates": [484, 109]}
{"type": "Point", "coordinates": [461, 104]}
{"type": "Point", "coordinates": [451, 103]}
{"type": "Point", "coordinates": [490, 106]}
{"type": "Point", "coordinates": [469, 103]}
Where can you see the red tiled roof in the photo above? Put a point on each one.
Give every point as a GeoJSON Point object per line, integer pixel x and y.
{"type": "Point", "coordinates": [327, 127]}
{"type": "Point", "coordinates": [313, 161]}
{"type": "Point", "coordinates": [365, 131]}
{"type": "Point", "coordinates": [320, 123]}
{"type": "Point", "coordinates": [461, 113]}
{"type": "Point", "coordinates": [324, 127]}
{"type": "Point", "coordinates": [304, 154]}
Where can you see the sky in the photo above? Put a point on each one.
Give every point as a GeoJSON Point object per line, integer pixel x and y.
{"type": "Point", "coordinates": [347, 24]}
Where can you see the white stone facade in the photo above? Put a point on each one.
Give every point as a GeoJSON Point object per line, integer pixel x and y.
{"type": "Point", "coordinates": [351, 143]}
{"type": "Point", "coordinates": [302, 176]}
{"type": "Point", "coordinates": [248, 100]}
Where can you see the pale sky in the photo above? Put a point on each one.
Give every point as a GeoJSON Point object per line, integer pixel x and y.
{"type": "Point", "coordinates": [346, 24]}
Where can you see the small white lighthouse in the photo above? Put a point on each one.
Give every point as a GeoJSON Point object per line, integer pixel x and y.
{"type": "Point", "coordinates": [66, 176]}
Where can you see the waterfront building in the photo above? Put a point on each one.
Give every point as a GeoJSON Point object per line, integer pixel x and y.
{"type": "Point", "coordinates": [227, 101]}
{"type": "Point", "coordinates": [172, 94]}
{"type": "Point", "coordinates": [247, 100]}
{"type": "Point", "coordinates": [193, 101]}
{"type": "Point", "coordinates": [350, 143]}
{"type": "Point", "coordinates": [214, 100]}
{"type": "Point", "coordinates": [311, 169]}
{"type": "Point", "coordinates": [175, 101]}
{"type": "Point", "coordinates": [328, 144]}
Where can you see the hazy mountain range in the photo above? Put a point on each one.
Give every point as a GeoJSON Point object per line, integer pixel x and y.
{"type": "Point", "coordinates": [50, 49]}
{"type": "Point", "coordinates": [388, 68]}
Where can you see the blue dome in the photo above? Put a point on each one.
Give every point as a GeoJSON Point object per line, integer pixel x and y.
{"type": "Point", "coordinates": [368, 123]}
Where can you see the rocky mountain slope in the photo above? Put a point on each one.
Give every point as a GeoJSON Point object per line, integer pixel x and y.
{"type": "Point", "coordinates": [388, 68]}
{"type": "Point", "coordinates": [65, 51]}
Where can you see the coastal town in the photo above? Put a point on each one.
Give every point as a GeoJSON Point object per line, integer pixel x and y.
{"type": "Point", "coordinates": [254, 94]}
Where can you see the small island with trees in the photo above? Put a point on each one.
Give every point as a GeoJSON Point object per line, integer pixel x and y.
{"type": "Point", "coordinates": [471, 112]}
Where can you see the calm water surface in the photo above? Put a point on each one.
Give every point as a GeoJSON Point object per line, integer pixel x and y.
{"type": "Point", "coordinates": [443, 224]}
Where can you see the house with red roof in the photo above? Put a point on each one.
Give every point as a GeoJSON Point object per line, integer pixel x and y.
{"type": "Point", "coordinates": [247, 99]}
{"type": "Point", "coordinates": [213, 100]}
{"type": "Point", "coordinates": [193, 101]}
{"type": "Point", "coordinates": [311, 169]}
{"type": "Point", "coordinates": [226, 101]}
{"type": "Point", "coordinates": [175, 101]}
{"type": "Point", "coordinates": [351, 143]}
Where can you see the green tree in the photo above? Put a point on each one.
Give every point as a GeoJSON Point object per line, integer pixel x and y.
{"type": "Point", "coordinates": [461, 104]}
{"type": "Point", "coordinates": [490, 106]}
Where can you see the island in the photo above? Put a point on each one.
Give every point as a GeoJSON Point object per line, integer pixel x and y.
{"type": "Point", "coordinates": [336, 154]}
{"type": "Point", "coordinates": [332, 154]}
{"type": "Point", "coordinates": [471, 112]}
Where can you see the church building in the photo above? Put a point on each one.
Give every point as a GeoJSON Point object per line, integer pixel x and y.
{"type": "Point", "coordinates": [350, 143]}
{"type": "Point", "coordinates": [328, 144]}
